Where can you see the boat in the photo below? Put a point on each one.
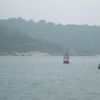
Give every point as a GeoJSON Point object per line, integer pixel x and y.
{"type": "Point", "coordinates": [99, 66]}
{"type": "Point", "coordinates": [66, 59]}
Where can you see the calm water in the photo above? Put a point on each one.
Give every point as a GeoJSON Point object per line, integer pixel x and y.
{"type": "Point", "coordinates": [47, 78]}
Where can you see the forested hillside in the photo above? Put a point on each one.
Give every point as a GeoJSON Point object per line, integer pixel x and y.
{"type": "Point", "coordinates": [21, 35]}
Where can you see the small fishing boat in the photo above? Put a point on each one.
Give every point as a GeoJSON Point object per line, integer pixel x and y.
{"type": "Point", "coordinates": [66, 59]}
{"type": "Point", "coordinates": [99, 66]}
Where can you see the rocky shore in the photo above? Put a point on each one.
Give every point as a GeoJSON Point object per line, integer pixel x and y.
{"type": "Point", "coordinates": [24, 53]}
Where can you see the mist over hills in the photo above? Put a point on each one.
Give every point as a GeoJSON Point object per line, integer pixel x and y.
{"type": "Point", "coordinates": [19, 35]}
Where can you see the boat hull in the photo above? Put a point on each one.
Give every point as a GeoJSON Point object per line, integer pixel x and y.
{"type": "Point", "coordinates": [66, 62]}
{"type": "Point", "coordinates": [99, 66]}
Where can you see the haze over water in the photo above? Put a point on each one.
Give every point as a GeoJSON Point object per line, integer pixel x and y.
{"type": "Point", "coordinates": [47, 78]}
{"type": "Point", "coordinates": [58, 11]}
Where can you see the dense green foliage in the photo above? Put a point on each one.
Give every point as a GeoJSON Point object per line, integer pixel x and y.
{"type": "Point", "coordinates": [13, 41]}
{"type": "Point", "coordinates": [17, 34]}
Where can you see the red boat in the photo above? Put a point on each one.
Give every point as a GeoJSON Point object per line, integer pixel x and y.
{"type": "Point", "coordinates": [66, 59]}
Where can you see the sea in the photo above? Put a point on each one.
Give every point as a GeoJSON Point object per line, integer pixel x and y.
{"type": "Point", "coordinates": [47, 78]}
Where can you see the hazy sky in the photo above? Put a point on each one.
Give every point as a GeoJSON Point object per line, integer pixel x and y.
{"type": "Point", "coordinates": [58, 11]}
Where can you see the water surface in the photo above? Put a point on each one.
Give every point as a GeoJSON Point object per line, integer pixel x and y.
{"type": "Point", "coordinates": [47, 78]}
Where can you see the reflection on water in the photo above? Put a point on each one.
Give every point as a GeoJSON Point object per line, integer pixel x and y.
{"type": "Point", "coordinates": [47, 78]}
